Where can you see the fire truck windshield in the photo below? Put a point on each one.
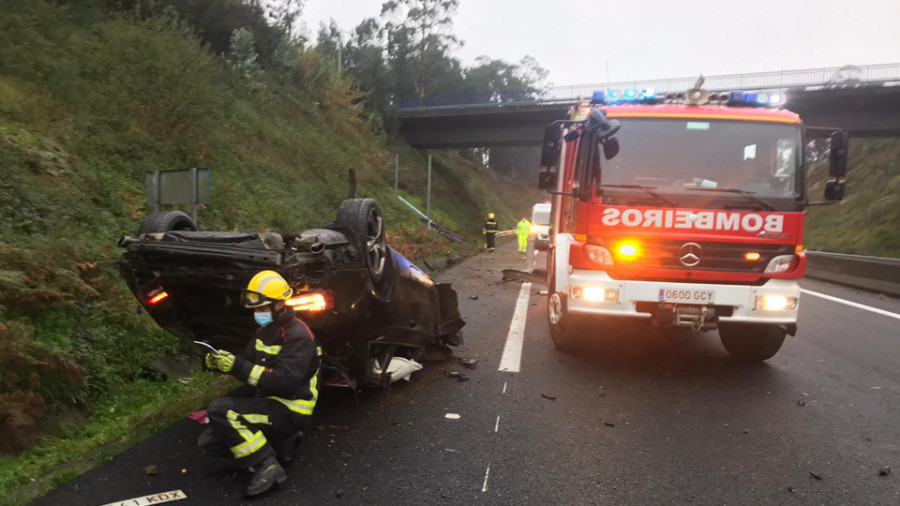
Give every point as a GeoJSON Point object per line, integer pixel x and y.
{"type": "Point", "coordinates": [676, 156]}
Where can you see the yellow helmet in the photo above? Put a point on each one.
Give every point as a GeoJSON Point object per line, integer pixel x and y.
{"type": "Point", "coordinates": [266, 287]}
{"type": "Point", "coordinates": [490, 216]}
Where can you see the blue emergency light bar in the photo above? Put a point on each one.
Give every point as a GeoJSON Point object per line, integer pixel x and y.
{"type": "Point", "coordinates": [630, 95]}
{"type": "Point", "coordinates": [649, 96]}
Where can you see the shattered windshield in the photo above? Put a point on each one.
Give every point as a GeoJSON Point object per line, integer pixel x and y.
{"type": "Point", "coordinates": [678, 155]}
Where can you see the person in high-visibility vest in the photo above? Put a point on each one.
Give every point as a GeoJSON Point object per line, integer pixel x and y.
{"type": "Point", "coordinates": [490, 233]}
{"type": "Point", "coordinates": [523, 229]}
{"type": "Point", "coordinates": [260, 425]}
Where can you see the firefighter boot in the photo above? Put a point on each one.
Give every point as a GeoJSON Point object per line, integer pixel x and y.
{"type": "Point", "coordinates": [286, 447]}
{"type": "Point", "coordinates": [266, 474]}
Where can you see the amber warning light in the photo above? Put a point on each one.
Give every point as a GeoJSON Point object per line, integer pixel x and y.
{"type": "Point", "coordinates": [312, 302]}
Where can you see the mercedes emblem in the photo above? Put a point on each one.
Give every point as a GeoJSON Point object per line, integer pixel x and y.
{"type": "Point", "coordinates": [690, 254]}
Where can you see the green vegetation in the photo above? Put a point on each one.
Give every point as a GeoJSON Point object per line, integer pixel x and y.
{"type": "Point", "coordinates": [91, 99]}
{"type": "Point", "coordinates": [865, 222]}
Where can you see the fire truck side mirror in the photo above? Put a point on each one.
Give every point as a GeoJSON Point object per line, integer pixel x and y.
{"type": "Point", "coordinates": [834, 190]}
{"type": "Point", "coordinates": [551, 145]}
{"type": "Point", "coordinates": [611, 148]}
{"type": "Point", "coordinates": [547, 179]}
{"type": "Point", "coordinates": [840, 145]}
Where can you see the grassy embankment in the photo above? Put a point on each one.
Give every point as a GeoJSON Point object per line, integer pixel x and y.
{"type": "Point", "coordinates": [867, 221]}
{"type": "Point", "coordinates": [89, 103]}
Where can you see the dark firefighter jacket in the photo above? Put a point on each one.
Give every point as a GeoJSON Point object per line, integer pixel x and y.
{"type": "Point", "coordinates": [282, 362]}
{"type": "Point", "coordinates": [490, 226]}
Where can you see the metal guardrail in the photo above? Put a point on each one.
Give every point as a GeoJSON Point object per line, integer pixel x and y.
{"type": "Point", "coordinates": [847, 75]}
{"type": "Point", "coordinates": [878, 274]}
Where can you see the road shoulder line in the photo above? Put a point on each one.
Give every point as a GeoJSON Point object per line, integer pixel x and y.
{"type": "Point", "coordinates": [851, 304]}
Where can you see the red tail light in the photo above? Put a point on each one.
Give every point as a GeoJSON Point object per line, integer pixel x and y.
{"type": "Point", "coordinates": [157, 298]}
{"type": "Point", "coordinates": [312, 302]}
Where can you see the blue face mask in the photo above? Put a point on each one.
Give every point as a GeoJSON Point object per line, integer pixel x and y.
{"type": "Point", "coordinates": [263, 319]}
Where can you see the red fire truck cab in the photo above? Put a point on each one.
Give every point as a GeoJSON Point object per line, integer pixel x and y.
{"type": "Point", "coordinates": [683, 211]}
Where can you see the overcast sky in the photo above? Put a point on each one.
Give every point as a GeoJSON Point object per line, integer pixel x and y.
{"type": "Point", "coordinates": [660, 38]}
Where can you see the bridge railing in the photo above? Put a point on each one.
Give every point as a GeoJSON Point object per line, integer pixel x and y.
{"type": "Point", "coordinates": [829, 76]}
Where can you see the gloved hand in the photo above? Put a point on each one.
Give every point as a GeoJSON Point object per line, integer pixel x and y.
{"type": "Point", "coordinates": [222, 362]}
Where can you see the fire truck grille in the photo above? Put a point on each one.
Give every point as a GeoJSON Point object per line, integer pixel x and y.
{"type": "Point", "coordinates": [711, 256]}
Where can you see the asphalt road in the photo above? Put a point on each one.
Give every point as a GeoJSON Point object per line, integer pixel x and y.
{"type": "Point", "coordinates": [638, 418]}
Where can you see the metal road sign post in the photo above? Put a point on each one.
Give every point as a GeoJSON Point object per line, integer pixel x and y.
{"type": "Point", "coordinates": [396, 171]}
{"type": "Point", "coordinates": [172, 187]}
{"type": "Point", "coordinates": [428, 199]}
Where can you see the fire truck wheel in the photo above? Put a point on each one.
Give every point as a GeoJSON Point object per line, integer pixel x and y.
{"type": "Point", "coordinates": [751, 343]}
{"type": "Point", "coordinates": [563, 327]}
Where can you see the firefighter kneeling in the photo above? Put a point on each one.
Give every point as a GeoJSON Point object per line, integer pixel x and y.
{"type": "Point", "coordinates": [260, 427]}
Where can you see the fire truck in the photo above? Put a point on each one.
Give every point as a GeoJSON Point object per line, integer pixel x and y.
{"type": "Point", "coordinates": [684, 210]}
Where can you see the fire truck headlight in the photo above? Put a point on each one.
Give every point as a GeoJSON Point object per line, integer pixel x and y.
{"type": "Point", "coordinates": [598, 254]}
{"type": "Point", "coordinates": [776, 303]}
{"type": "Point", "coordinates": [597, 294]}
{"type": "Point", "coordinates": [781, 263]}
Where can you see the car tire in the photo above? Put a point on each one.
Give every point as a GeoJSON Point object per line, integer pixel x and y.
{"type": "Point", "coordinates": [166, 221]}
{"type": "Point", "coordinates": [751, 343]}
{"type": "Point", "coordinates": [364, 220]}
{"type": "Point", "coordinates": [563, 325]}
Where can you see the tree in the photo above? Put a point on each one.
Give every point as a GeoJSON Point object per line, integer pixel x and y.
{"type": "Point", "coordinates": [498, 81]}
{"type": "Point", "coordinates": [242, 51]}
{"type": "Point", "coordinates": [419, 41]}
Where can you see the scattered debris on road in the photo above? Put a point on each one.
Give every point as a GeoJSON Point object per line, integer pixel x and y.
{"type": "Point", "coordinates": [543, 292]}
{"type": "Point", "coordinates": [151, 470]}
{"type": "Point", "coordinates": [801, 403]}
{"type": "Point", "coordinates": [468, 362]}
{"type": "Point", "coordinates": [473, 297]}
{"type": "Point", "coordinates": [451, 416]}
{"type": "Point", "coordinates": [337, 427]}
{"type": "Point", "coordinates": [458, 375]}
{"type": "Point", "coordinates": [884, 471]}
{"type": "Point", "coordinates": [451, 450]}
{"type": "Point", "coordinates": [609, 424]}
{"type": "Point", "coordinates": [551, 397]}
{"type": "Point", "coordinates": [432, 445]}
{"type": "Point", "coordinates": [402, 368]}
{"type": "Point", "coordinates": [745, 431]}
{"type": "Point", "coordinates": [199, 417]}
{"type": "Point", "coordinates": [791, 490]}
{"type": "Point", "coordinates": [876, 388]}
{"type": "Point", "coordinates": [817, 476]}
{"type": "Point", "coordinates": [339, 493]}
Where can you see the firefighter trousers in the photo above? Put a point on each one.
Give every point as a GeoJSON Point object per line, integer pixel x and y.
{"type": "Point", "coordinates": [242, 428]}
{"type": "Point", "coordinates": [489, 240]}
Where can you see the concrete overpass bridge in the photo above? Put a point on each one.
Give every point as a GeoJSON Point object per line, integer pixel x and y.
{"type": "Point", "coordinates": [863, 100]}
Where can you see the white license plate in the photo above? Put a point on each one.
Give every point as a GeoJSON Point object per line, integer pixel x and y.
{"type": "Point", "coordinates": [687, 296]}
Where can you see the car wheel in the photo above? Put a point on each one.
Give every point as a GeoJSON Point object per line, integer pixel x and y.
{"type": "Point", "coordinates": [563, 325]}
{"type": "Point", "coordinates": [751, 343]}
{"type": "Point", "coordinates": [364, 220]}
{"type": "Point", "coordinates": [166, 221]}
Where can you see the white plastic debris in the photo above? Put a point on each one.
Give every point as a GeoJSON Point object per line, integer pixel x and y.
{"type": "Point", "coordinates": [452, 416]}
{"type": "Point", "coordinates": [402, 368]}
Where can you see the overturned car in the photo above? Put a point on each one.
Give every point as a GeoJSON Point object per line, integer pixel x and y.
{"type": "Point", "coordinates": [365, 302]}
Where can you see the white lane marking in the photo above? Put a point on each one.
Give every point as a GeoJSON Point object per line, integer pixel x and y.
{"type": "Point", "coordinates": [497, 425]}
{"type": "Point", "coordinates": [486, 474]}
{"type": "Point", "coordinates": [852, 304]}
{"type": "Point", "coordinates": [512, 352]}
{"type": "Point", "coordinates": [504, 387]}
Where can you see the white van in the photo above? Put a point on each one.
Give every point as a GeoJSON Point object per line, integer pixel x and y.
{"type": "Point", "coordinates": [540, 226]}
